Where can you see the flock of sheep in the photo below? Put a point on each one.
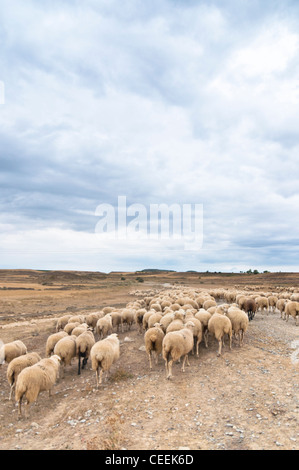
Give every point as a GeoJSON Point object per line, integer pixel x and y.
{"type": "Point", "coordinates": [173, 321]}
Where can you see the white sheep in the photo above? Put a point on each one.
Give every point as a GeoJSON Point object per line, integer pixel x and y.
{"type": "Point", "coordinates": [262, 303]}
{"type": "Point", "coordinates": [197, 333]}
{"type": "Point", "coordinates": [204, 316]}
{"type": "Point", "coordinates": [239, 321]}
{"type": "Point", "coordinates": [84, 343]}
{"type": "Point", "coordinates": [128, 318]}
{"type": "Point", "coordinates": [178, 321]}
{"type": "Point", "coordinates": [146, 317]}
{"type": "Point", "coordinates": [116, 318]}
{"type": "Point", "coordinates": [139, 318]}
{"type": "Point", "coordinates": [17, 365]}
{"type": "Point", "coordinates": [103, 354]}
{"type": "Point", "coordinates": [70, 326]}
{"type": "Point", "coordinates": [166, 320]}
{"type": "Point", "coordinates": [177, 344]}
{"type": "Point", "coordinates": [66, 350]}
{"type": "Point", "coordinates": [153, 338]}
{"type": "Point", "coordinates": [77, 319]}
{"type": "Point", "coordinates": [155, 318]}
{"type": "Point", "coordinates": [106, 310]}
{"type": "Point", "coordinates": [209, 303]}
{"type": "Point", "coordinates": [62, 321]}
{"type": "Point", "coordinates": [220, 325]}
{"type": "Point", "coordinates": [80, 329]}
{"type": "Point", "coordinates": [104, 326]}
{"type": "Point", "coordinates": [280, 305]}
{"type": "Point", "coordinates": [52, 340]}
{"type": "Point", "coordinates": [292, 308]}
{"type": "Point", "coordinates": [92, 318]}
{"type": "Point", "coordinates": [272, 299]}
{"type": "Point", "coordinates": [35, 379]}
{"type": "Point", "coordinates": [11, 350]}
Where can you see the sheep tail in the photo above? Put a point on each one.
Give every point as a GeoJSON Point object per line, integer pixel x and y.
{"type": "Point", "coordinates": [11, 377]}
{"type": "Point", "coordinates": [153, 339]}
{"type": "Point", "coordinates": [21, 389]}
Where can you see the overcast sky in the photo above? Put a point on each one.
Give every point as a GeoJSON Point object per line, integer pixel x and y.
{"type": "Point", "coordinates": [160, 101]}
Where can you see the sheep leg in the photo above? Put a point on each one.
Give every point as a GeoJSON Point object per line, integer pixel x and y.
{"type": "Point", "coordinates": [97, 377]}
{"type": "Point", "coordinates": [79, 364]}
{"type": "Point", "coordinates": [170, 369]}
{"type": "Point", "coordinates": [230, 341]}
{"type": "Point", "coordinates": [11, 390]}
{"type": "Point", "coordinates": [220, 347]}
{"type": "Point", "coordinates": [197, 346]}
{"type": "Point", "coordinates": [184, 360]}
{"type": "Point", "coordinates": [157, 358]}
{"type": "Point", "coordinates": [206, 334]}
{"type": "Point", "coordinates": [20, 407]}
{"type": "Point", "coordinates": [166, 368]}
{"type": "Point", "coordinates": [150, 359]}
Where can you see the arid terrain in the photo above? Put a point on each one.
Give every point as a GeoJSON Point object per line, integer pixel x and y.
{"type": "Point", "coordinates": [247, 399]}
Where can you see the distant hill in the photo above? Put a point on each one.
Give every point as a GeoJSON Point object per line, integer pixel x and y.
{"type": "Point", "coordinates": [154, 270]}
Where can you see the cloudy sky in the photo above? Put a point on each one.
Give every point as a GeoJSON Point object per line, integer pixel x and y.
{"type": "Point", "coordinates": [161, 102]}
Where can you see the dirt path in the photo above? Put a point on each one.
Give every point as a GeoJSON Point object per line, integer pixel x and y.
{"type": "Point", "coordinates": [246, 399]}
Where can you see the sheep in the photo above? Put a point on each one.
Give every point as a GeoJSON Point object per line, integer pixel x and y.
{"type": "Point", "coordinates": [128, 317]}
{"type": "Point", "coordinates": [157, 307]}
{"type": "Point", "coordinates": [219, 325]}
{"type": "Point", "coordinates": [107, 310]}
{"type": "Point", "coordinates": [250, 308]}
{"type": "Point", "coordinates": [280, 305]}
{"type": "Point", "coordinates": [103, 354]}
{"type": "Point", "coordinates": [153, 338]}
{"type": "Point", "coordinates": [204, 316]}
{"type": "Point", "coordinates": [139, 318]}
{"type": "Point", "coordinates": [177, 323]}
{"type": "Point", "coordinates": [17, 365]}
{"type": "Point", "coordinates": [175, 306]}
{"type": "Point", "coordinates": [154, 318]}
{"type": "Point", "coordinates": [77, 319]}
{"type": "Point", "coordinates": [92, 318]}
{"type": "Point", "coordinates": [177, 344]}
{"type": "Point", "coordinates": [62, 321]}
{"type": "Point", "coordinates": [66, 350]}
{"type": "Point", "coordinates": [241, 299]}
{"type": "Point", "coordinates": [80, 329]}
{"type": "Point", "coordinates": [52, 340]}
{"type": "Point", "coordinates": [200, 300]}
{"type": "Point", "coordinates": [145, 319]}
{"type": "Point", "coordinates": [272, 299]}
{"type": "Point", "coordinates": [37, 378]}
{"type": "Point", "coordinates": [239, 321]}
{"type": "Point", "coordinates": [292, 308]}
{"type": "Point", "coordinates": [209, 303]}
{"type": "Point", "coordinates": [197, 334]}
{"type": "Point", "coordinates": [262, 303]}
{"type": "Point", "coordinates": [116, 319]}
{"type": "Point", "coordinates": [166, 320]}
{"type": "Point", "coordinates": [84, 343]}
{"type": "Point", "coordinates": [104, 326]}
{"type": "Point", "coordinates": [11, 350]}
{"type": "Point", "coordinates": [70, 326]}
